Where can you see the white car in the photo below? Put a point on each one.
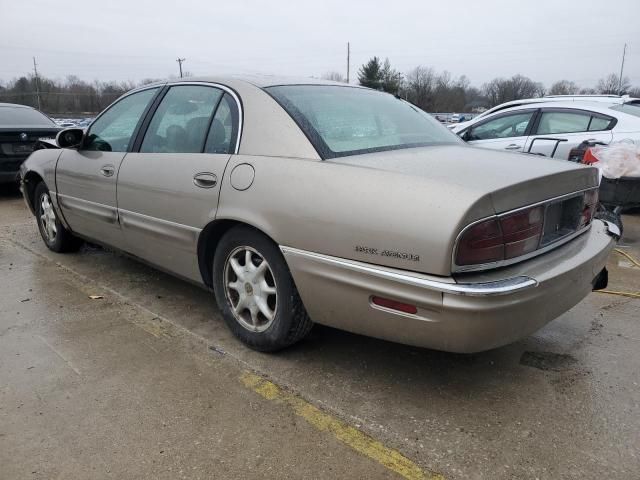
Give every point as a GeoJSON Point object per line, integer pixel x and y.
{"type": "Point", "coordinates": [553, 128]}
{"type": "Point", "coordinates": [609, 99]}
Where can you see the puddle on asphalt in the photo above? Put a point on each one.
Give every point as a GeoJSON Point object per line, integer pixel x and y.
{"type": "Point", "coordinates": [548, 361]}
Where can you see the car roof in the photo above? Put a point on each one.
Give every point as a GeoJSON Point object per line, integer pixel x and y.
{"type": "Point", "coordinates": [260, 81]}
{"type": "Point", "coordinates": [15, 105]}
{"type": "Point", "coordinates": [598, 107]}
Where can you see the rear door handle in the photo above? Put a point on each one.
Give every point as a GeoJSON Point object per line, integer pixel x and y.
{"type": "Point", "coordinates": [108, 170]}
{"type": "Point", "coordinates": [205, 180]}
{"type": "Point", "coordinates": [513, 146]}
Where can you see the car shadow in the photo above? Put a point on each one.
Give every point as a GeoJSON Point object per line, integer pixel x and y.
{"type": "Point", "coordinates": [9, 191]}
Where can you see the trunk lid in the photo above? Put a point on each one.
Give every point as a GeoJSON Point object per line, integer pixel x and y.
{"type": "Point", "coordinates": [510, 180]}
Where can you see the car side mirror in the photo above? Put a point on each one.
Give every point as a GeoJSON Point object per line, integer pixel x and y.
{"type": "Point", "coordinates": [70, 138]}
{"type": "Point", "coordinates": [465, 135]}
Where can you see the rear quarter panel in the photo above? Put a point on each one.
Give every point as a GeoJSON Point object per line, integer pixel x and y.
{"type": "Point", "coordinates": [359, 213]}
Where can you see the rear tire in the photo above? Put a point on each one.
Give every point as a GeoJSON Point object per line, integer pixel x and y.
{"type": "Point", "coordinates": [55, 236]}
{"type": "Point", "coordinates": [256, 293]}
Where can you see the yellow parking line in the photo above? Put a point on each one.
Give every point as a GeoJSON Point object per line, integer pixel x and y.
{"type": "Point", "coordinates": [359, 441]}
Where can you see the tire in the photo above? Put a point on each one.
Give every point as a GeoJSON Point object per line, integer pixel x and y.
{"type": "Point", "coordinates": [261, 306]}
{"type": "Point", "coordinates": [609, 216]}
{"type": "Point", "coordinates": [55, 236]}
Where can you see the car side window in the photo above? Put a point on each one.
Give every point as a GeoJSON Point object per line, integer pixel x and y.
{"type": "Point", "coordinates": [563, 122]}
{"type": "Point", "coordinates": [599, 123]}
{"type": "Point", "coordinates": [224, 127]}
{"type": "Point", "coordinates": [181, 122]}
{"type": "Point", "coordinates": [114, 129]}
{"type": "Point", "coordinates": [506, 126]}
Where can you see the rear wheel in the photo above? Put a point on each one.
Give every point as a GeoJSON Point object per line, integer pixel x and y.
{"type": "Point", "coordinates": [255, 291]}
{"type": "Point", "coordinates": [55, 236]}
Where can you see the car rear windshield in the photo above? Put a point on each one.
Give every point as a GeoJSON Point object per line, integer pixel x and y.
{"type": "Point", "coordinates": [630, 108]}
{"type": "Point", "coordinates": [341, 121]}
{"type": "Point", "coordinates": [23, 117]}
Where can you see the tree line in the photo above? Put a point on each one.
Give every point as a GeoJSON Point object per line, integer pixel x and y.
{"type": "Point", "coordinates": [441, 92]}
{"type": "Point", "coordinates": [425, 87]}
{"type": "Point", "coordinates": [71, 96]}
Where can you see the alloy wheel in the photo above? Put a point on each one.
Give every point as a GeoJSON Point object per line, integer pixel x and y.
{"type": "Point", "coordinates": [48, 218]}
{"type": "Point", "coordinates": [250, 289]}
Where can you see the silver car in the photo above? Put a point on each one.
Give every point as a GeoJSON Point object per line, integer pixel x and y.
{"type": "Point", "coordinates": [308, 201]}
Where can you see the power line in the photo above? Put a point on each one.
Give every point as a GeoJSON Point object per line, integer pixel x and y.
{"type": "Point", "coordinates": [180, 60]}
{"type": "Point", "coordinates": [348, 59]}
{"type": "Point", "coordinates": [624, 52]}
{"type": "Point", "coordinates": [35, 71]}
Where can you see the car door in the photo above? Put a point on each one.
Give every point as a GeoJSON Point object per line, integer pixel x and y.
{"type": "Point", "coordinates": [86, 177]}
{"type": "Point", "coordinates": [558, 130]}
{"type": "Point", "coordinates": [168, 188]}
{"type": "Point", "coordinates": [503, 131]}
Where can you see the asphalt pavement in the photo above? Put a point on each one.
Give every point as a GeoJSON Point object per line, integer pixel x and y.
{"type": "Point", "coordinates": [145, 381]}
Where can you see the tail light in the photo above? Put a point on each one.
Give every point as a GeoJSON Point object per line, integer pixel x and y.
{"type": "Point", "coordinates": [520, 233]}
{"type": "Point", "coordinates": [589, 208]}
{"type": "Point", "coordinates": [589, 158]}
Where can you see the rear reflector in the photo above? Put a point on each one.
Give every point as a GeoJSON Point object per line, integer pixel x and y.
{"type": "Point", "coordinates": [394, 305]}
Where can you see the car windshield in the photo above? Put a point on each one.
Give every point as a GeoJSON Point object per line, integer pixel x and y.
{"type": "Point", "coordinates": [342, 121]}
{"type": "Point", "coordinates": [20, 116]}
{"type": "Point", "coordinates": [630, 108]}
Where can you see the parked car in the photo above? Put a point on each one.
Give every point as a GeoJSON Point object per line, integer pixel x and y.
{"type": "Point", "coordinates": [609, 99]}
{"type": "Point", "coordinates": [553, 129]}
{"type": "Point", "coordinates": [455, 118]}
{"type": "Point", "coordinates": [301, 200]}
{"type": "Point", "coordinates": [20, 128]}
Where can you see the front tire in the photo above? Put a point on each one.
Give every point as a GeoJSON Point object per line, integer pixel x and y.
{"type": "Point", "coordinates": [255, 292]}
{"type": "Point", "coordinates": [55, 236]}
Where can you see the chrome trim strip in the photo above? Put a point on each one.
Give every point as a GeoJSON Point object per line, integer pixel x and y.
{"type": "Point", "coordinates": [159, 220]}
{"type": "Point", "coordinates": [503, 263]}
{"type": "Point", "coordinates": [76, 205]}
{"type": "Point", "coordinates": [500, 287]}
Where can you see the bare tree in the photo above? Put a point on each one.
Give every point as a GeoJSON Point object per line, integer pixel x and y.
{"type": "Point", "coordinates": [610, 85]}
{"type": "Point", "coordinates": [334, 76]}
{"type": "Point", "coordinates": [563, 87]}
{"type": "Point", "coordinates": [500, 90]}
{"type": "Point", "coordinates": [418, 87]}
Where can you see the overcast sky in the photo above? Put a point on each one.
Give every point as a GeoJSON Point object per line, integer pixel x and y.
{"type": "Point", "coordinates": [579, 40]}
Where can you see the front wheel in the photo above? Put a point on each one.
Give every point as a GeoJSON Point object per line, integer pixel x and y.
{"type": "Point", "coordinates": [55, 236]}
{"type": "Point", "coordinates": [255, 291]}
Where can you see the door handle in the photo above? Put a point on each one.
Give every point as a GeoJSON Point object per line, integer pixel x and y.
{"type": "Point", "coordinates": [205, 180]}
{"type": "Point", "coordinates": [108, 170]}
{"type": "Point", "coordinates": [513, 146]}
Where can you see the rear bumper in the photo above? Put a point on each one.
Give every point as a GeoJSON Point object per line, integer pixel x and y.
{"type": "Point", "coordinates": [472, 313]}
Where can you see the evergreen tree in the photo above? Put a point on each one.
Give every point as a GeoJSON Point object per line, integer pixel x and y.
{"type": "Point", "coordinates": [370, 74]}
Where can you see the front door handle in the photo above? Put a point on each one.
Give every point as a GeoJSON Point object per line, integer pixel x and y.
{"type": "Point", "coordinates": [205, 180]}
{"type": "Point", "coordinates": [108, 170]}
{"type": "Point", "coordinates": [513, 146]}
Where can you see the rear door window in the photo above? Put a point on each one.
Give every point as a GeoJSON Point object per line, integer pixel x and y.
{"type": "Point", "coordinates": [224, 127]}
{"type": "Point", "coordinates": [572, 121]}
{"type": "Point", "coordinates": [181, 122]}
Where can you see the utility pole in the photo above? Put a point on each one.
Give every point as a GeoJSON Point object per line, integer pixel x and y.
{"type": "Point", "coordinates": [35, 72]}
{"type": "Point", "coordinates": [624, 51]}
{"type": "Point", "coordinates": [348, 55]}
{"type": "Point", "coordinates": [180, 60]}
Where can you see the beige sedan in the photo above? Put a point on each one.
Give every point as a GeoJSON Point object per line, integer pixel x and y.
{"type": "Point", "coordinates": [308, 201]}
